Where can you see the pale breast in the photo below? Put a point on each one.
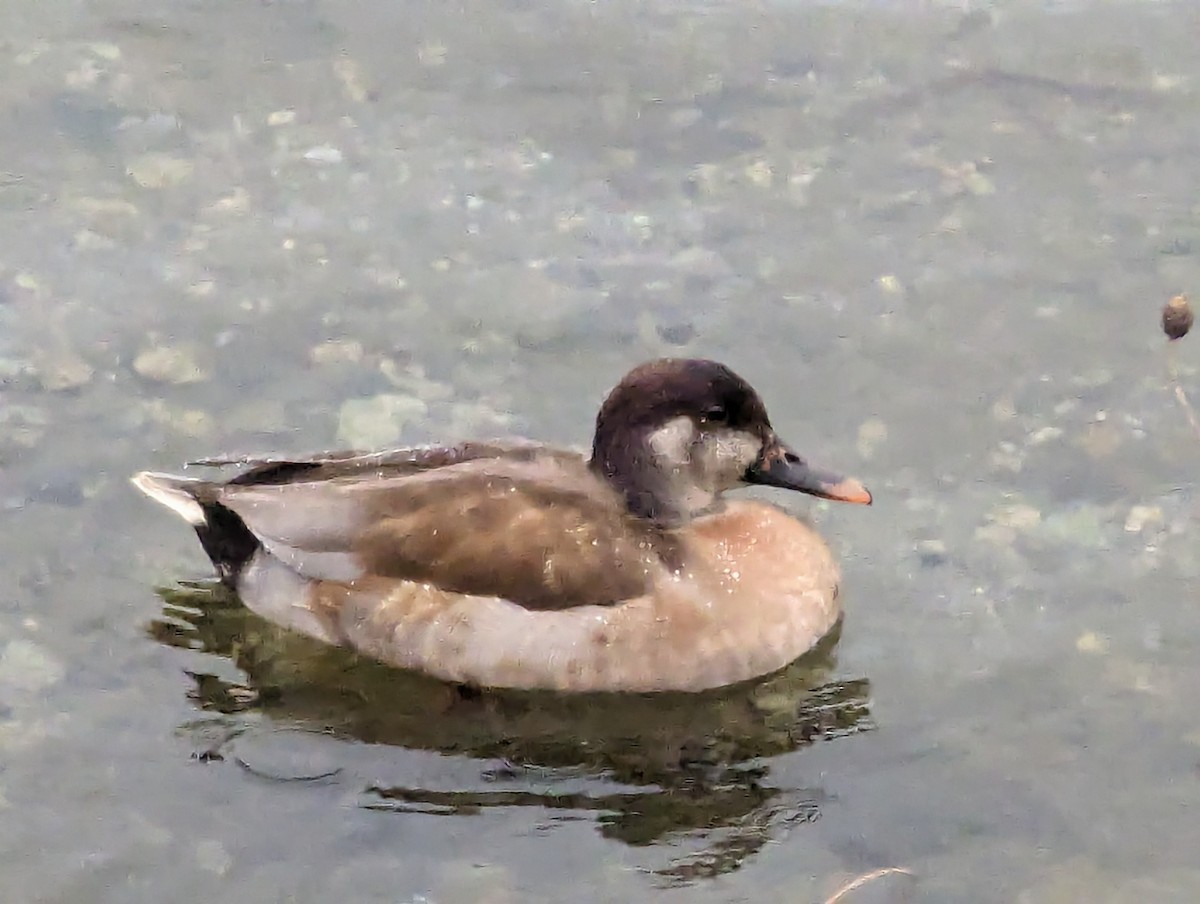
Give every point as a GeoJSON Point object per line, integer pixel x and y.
{"type": "Point", "coordinates": [758, 590]}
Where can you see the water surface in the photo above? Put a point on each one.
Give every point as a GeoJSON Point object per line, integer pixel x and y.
{"type": "Point", "coordinates": [934, 235]}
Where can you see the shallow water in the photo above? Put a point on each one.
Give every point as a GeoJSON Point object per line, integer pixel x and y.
{"type": "Point", "coordinates": [934, 235]}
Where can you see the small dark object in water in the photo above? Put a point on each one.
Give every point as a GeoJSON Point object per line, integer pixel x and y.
{"type": "Point", "coordinates": [1177, 317]}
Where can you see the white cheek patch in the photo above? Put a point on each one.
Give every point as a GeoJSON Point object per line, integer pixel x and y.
{"type": "Point", "coordinates": [672, 442]}
{"type": "Point", "coordinates": [708, 461]}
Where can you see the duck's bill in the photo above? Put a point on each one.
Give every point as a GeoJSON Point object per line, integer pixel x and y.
{"type": "Point", "coordinates": [781, 467]}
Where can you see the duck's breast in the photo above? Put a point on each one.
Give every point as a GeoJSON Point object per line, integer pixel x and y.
{"type": "Point", "coordinates": [757, 590]}
{"type": "Point", "coordinates": [769, 586]}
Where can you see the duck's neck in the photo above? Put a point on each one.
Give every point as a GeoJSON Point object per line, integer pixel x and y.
{"type": "Point", "coordinates": [653, 488]}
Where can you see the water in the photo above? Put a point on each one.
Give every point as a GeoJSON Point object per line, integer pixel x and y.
{"type": "Point", "coordinates": [934, 235]}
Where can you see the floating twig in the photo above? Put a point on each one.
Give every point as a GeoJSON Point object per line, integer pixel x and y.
{"type": "Point", "coordinates": [864, 879]}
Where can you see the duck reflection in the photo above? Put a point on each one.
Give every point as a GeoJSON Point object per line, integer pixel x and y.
{"type": "Point", "coordinates": [686, 770]}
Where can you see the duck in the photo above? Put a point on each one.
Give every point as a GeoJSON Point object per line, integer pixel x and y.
{"type": "Point", "coordinates": [512, 564]}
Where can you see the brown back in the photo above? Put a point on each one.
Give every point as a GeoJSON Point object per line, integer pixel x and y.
{"type": "Point", "coordinates": [523, 523]}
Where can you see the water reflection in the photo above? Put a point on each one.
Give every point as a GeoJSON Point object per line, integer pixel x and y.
{"type": "Point", "coordinates": [690, 770]}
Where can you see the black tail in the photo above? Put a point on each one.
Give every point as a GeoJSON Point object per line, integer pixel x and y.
{"type": "Point", "coordinates": [225, 537]}
{"type": "Point", "coordinates": [227, 540]}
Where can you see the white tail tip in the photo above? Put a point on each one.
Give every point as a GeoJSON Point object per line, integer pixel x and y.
{"type": "Point", "coordinates": [172, 492]}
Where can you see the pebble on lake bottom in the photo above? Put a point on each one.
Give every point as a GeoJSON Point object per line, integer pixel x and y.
{"type": "Point", "coordinates": [63, 371]}
{"type": "Point", "coordinates": [177, 365]}
{"type": "Point", "coordinates": [191, 422]}
{"type": "Point", "coordinates": [159, 170]}
{"type": "Point", "coordinates": [335, 352]}
{"type": "Point", "coordinates": [471, 880]}
{"type": "Point", "coordinates": [377, 422]}
{"type": "Point", "coordinates": [323, 154]}
{"type": "Point", "coordinates": [1080, 526]}
{"type": "Point", "coordinates": [1017, 516]}
{"type": "Point", "coordinates": [1091, 642]}
{"type": "Point", "coordinates": [1141, 517]}
{"type": "Point", "coordinates": [212, 857]}
{"type": "Point", "coordinates": [871, 434]}
{"type": "Point", "coordinates": [22, 426]}
{"type": "Point", "coordinates": [932, 552]}
{"type": "Point", "coordinates": [26, 667]}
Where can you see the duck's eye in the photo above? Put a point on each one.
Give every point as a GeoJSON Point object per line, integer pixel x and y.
{"type": "Point", "coordinates": [718, 414]}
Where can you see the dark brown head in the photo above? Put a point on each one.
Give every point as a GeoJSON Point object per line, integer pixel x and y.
{"type": "Point", "coordinates": [676, 433]}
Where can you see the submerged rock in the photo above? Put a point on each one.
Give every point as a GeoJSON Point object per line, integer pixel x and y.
{"type": "Point", "coordinates": [212, 857]}
{"type": "Point", "coordinates": [22, 426]}
{"type": "Point", "coordinates": [378, 421]}
{"type": "Point", "coordinates": [170, 364]}
{"type": "Point", "coordinates": [63, 371]}
{"type": "Point", "coordinates": [323, 154]}
{"type": "Point", "coordinates": [1141, 517]}
{"type": "Point", "coordinates": [159, 170]}
{"type": "Point", "coordinates": [26, 666]}
{"type": "Point", "coordinates": [1083, 527]}
{"type": "Point", "coordinates": [333, 352]}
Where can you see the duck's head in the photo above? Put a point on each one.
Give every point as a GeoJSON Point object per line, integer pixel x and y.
{"type": "Point", "coordinates": [676, 433]}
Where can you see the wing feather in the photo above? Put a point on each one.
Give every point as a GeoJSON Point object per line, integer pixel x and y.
{"type": "Point", "coordinates": [542, 532]}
